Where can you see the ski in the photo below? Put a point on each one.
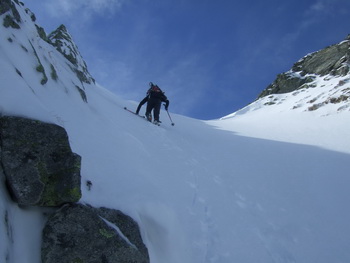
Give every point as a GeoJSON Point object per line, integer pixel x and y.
{"type": "Point", "coordinates": [143, 117]}
{"type": "Point", "coordinates": [125, 108]}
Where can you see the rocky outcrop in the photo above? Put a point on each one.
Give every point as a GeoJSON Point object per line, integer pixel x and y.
{"type": "Point", "coordinates": [333, 61]}
{"type": "Point", "coordinates": [39, 165]}
{"type": "Point", "coordinates": [286, 82]}
{"type": "Point", "coordinates": [12, 18]}
{"type": "Point", "coordinates": [41, 170]}
{"type": "Point", "coordinates": [62, 40]}
{"type": "Point", "coordinates": [79, 233]}
{"type": "Point", "coordinates": [5, 6]}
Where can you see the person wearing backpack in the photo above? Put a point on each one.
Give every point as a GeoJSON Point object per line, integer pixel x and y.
{"type": "Point", "coordinates": [154, 98]}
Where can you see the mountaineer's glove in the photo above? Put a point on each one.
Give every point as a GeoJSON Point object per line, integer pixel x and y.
{"type": "Point", "coordinates": [166, 105]}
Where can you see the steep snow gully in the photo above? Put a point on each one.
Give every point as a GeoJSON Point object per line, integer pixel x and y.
{"type": "Point", "coordinates": [202, 191]}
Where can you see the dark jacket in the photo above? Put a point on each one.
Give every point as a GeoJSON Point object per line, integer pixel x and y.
{"type": "Point", "coordinates": [156, 96]}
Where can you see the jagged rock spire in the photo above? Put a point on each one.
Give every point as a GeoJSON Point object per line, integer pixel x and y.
{"type": "Point", "coordinates": [63, 41]}
{"type": "Point", "coordinates": [60, 39]}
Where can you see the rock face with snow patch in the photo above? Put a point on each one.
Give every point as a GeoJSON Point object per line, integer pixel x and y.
{"type": "Point", "coordinates": [78, 233]}
{"type": "Point", "coordinates": [40, 168]}
{"type": "Point", "coordinates": [333, 61]}
{"type": "Point", "coordinates": [62, 40]}
{"type": "Point", "coordinates": [12, 18]}
{"type": "Point", "coordinates": [318, 82]}
{"type": "Point", "coordinates": [13, 15]}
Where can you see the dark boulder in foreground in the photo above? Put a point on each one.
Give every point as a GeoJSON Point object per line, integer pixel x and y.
{"type": "Point", "coordinates": [78, 233]}
{"type": "Point", "coordinates": [39, 165]}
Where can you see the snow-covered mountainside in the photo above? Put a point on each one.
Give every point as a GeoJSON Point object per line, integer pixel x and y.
{"type": "Point", "coordinates": [309, 104]}
{"type": "Point", "coordinates": [269, 183]}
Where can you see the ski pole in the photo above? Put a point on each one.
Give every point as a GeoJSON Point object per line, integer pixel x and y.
{"type": "Point", "coordinates": [170, 118]}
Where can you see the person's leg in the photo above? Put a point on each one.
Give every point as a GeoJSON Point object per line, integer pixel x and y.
{"type": "Point", "coordinates": [150, 106]}
{"type": "Point", "coordinates": [156, 110]}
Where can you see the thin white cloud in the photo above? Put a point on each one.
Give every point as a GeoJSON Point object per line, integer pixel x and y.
{"type": "Point", "coordinates": [318, 7]}
{"type": "Point", "coordinates": [84, 8]}
{"type": "Point", "coordinates": [316, 12]}
{"type": "Point", "coordinates": [327, 7]}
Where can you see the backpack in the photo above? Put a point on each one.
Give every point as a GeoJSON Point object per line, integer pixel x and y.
{"type": "Point", "coordinates": [155, 92]}
{"type": "Point", "coordinates": [155, 88]}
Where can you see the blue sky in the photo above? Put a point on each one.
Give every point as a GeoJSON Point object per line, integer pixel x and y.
{"type": "Point", "coordinates": [210, 57]}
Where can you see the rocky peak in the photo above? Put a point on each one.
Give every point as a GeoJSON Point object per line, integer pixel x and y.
{"type": "Point", "coordinates": [12, 18]}
{"type": "Point", "coordinates": [333, 61]}
{"type": "Point", "coordinates": [29, 35]}
{"type": "Point", "coordinates": [63, 41]}
{"type": "Point", "coordinates": [320, 82]}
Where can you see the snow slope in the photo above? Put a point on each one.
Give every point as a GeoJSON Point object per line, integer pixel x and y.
{"type": "Point", "coordinates": [199, 193]}
{"type": "Point", "coordinates": [313, 116]}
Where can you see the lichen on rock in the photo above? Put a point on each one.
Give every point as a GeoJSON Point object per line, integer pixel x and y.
{"type": "Point", "coordinates": [39, 165]}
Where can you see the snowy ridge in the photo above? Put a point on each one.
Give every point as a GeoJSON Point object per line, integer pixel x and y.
{"type": "Point", "coordinates": [198, 193]}
{"type": "Point", "coordinates": [317, 114]}
{"type": "Point", "coordinates": [327, 95]}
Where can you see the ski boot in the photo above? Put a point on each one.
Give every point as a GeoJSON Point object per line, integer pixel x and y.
{"type": "Point", "coordinates": [149, 117]}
